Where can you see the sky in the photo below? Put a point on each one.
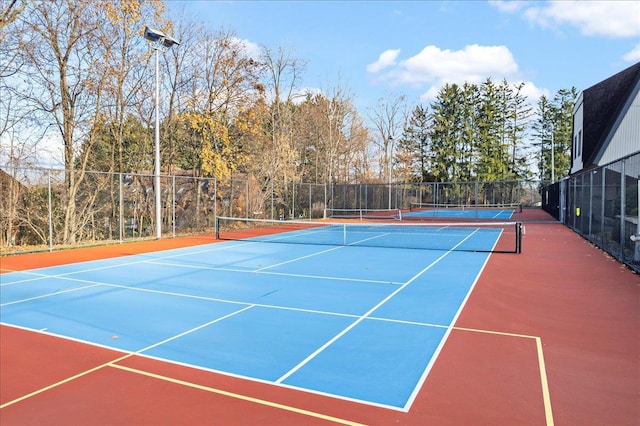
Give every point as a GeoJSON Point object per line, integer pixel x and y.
{"type": "Point", "coordinates": [379, 49]}
{"type": "Point", "coordinates": [374, 49]}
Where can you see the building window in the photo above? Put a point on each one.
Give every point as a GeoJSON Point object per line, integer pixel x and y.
{"type": "Point", "coordinates": [580, 143]}
{"type": "Point", "coordinates": [575, 146]}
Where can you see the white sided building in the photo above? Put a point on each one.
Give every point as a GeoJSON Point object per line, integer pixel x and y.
{"type": "Point", "coordinates": [606, 121]}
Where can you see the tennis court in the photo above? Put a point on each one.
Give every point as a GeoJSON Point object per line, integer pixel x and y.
{"type": "Point", "coordinates": [293, 314]}
{"type": "Point", "coordinates": [268, 328]}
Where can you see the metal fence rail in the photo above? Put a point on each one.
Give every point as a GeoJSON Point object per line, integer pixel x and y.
{"type": "Point", "coordinates": [46, 208]}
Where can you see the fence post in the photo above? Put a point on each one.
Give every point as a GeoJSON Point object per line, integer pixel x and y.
{"type": "Point", "coordinates": [636, 251]}
{"type": "Point", "coordinates": [120, 209]}
{"type": "Point", "coordinates": [310, 203]}
{"type": "Point", "coordinates": [293, 200]}
{"type": "Point", "coordinates": [173, 204]}
{"type": "Point", "coordinates": [602, 200]}
{"type": "Point", "coordinates": [573, 207]}
{"type": "Point", "coordinates": [397, 188]}
{"type": "Point", "coordinates": [562, 201]}
{"type": "Point", "coordinates": [590, 204]}
{"type": "Point", "coordinates": [50, 210]}
{"type": "Point", "coordinates": [623, 205]}
{"type": "Point", "coordinates": [475, 195]}
{"type": "Point", "coordinates": [324, 211]}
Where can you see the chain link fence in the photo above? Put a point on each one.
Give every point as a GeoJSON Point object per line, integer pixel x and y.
{"type": "Point", "coordinates": [46, 208]}
{"type": "Point", "coordinates": [601, 204]}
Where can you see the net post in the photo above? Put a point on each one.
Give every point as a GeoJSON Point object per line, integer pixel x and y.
{"type": "Point", "coordinates": [518, 237]}
{"type": "Point", "coordinates": [217, 223]}
{"type": "Point", "coordinates": [344, 234]}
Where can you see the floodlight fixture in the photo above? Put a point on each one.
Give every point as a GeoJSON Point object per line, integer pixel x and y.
{"type": "Point", "coordinates": [159, 37]}
{"type": "Point", "coordinates": [152, 34]}
{"type": "Point", "coordinates": [170, 41]}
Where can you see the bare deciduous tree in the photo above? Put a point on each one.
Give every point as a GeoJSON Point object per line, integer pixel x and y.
{"type": "Point", "coordinates": [388, 118]}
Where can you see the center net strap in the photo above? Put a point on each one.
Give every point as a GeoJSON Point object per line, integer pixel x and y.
{"type": "Point", "coordinates": [504, 237]}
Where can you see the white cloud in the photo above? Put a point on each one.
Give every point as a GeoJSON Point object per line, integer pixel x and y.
{"type": "Point", "coordinates": [385, 60]}
{"type": "Point", "coordinates": [633, 55]}
{"type": "Point", "coordinates": [430, 94]}
{"type": "Point", "coordinates": [613, 19]}
{"type": "Point", "coordinates": [473, 64]}
{"type": "Point", "coordinates": [251, 49]}
{"type": "Point", "coordinates": [509, 6]}
{"type": "Point", "coordinates": [435, 67]}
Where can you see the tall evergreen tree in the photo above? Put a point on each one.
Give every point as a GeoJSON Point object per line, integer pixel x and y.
{"type": "Point", "coordinates": [517, 114]}
{"type": "Point", "coordinates": [445, 133]}
{"type": "Point", "coordinates": [492, 152]}
{"type": "Point", "coordinates": [413, 157]}
{"type": "Point", "coordinates": [563, 103]}
{"type": "Point", "coordinates": [552, 133]}
{"type": "Point", "coordinates": [469, 133]}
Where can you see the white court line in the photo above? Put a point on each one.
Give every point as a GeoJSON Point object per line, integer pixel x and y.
{"type": "Point", "coordinates": [42, 296]}
{"type": "Point", "coordinates": [436, 353]}
{"type": "Point", "coordinates": [126, 356]}
{"type": "Point", "coordinates": [263, 272]}
{"type": "Point", "coordinates": [39, 275]}
{"type": "Point", "coordinates": [321, 252]}
{"type": "Point", "coordinates": [92, 283]}
{"type": "Point", "coordinates": [188, 296]}
{"type": "Point", "coordinates": [366, 315]}
{"type": "Point", "coordinates": [299, 258]}
{"type": "Point", "coordinates": [156, 259]}
{"type": "Point", "coordinates": [294, 233]}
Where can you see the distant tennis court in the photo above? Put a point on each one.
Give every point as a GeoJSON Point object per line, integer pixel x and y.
{"type": "Point", "coordinates": [463, 211]}
{"type": "Point", "coordinates": [445, 211]}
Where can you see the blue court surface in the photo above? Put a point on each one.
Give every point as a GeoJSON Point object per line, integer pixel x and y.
{"type": "Point", "coordinates": [470, 213]}
{"type": "Point", "coordinates": [360, 323]}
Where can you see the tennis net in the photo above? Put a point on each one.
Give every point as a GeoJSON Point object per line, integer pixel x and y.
{"type": "Point", "coordinates": [500, 237]}
{"type": "Point", "coordinates": [364, 214]}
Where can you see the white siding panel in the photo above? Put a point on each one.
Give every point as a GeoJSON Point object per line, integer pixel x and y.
{"type": "Point", "coordinates": [576, 163]}
{"type": "Point", "coordinates": [626, 139]}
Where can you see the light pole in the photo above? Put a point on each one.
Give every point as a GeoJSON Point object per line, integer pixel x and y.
{"type": "Point", "coordinates": [158, 41]}
{"type": "Point", "coordinates": [549, 126]}
{"type": "Point", "coordinates": [553, 163]}
{"type": "Point", "coordinates": [390, 159]}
